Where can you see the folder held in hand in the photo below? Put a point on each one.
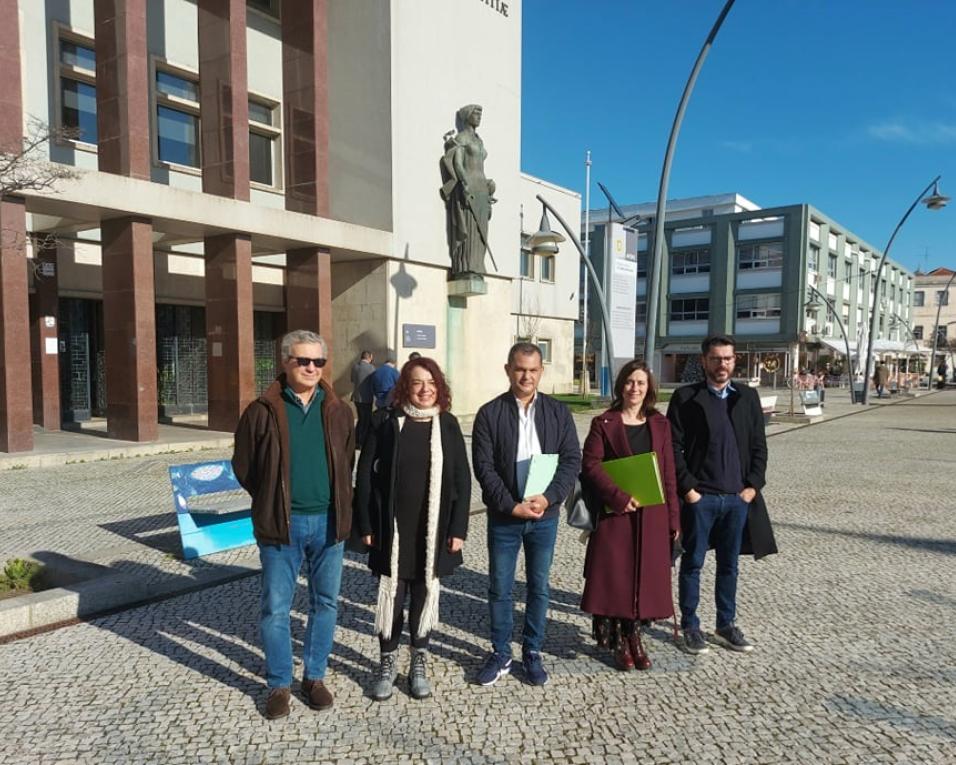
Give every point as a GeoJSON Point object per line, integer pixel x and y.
{"type": "Point", "coordinates": [638, 476]}
{"type": "Point", "coordinates": [542, 470]}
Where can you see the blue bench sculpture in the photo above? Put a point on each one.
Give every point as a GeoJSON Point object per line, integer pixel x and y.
{"type": "Point", "coordinates": [213, 524]}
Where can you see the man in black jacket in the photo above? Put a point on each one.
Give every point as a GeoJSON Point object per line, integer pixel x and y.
{"type": "Point", "coordinates": [721, 458]}
{"type": "Point", "coordinates": [507, 432]}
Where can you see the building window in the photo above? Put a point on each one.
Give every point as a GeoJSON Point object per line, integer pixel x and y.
{"type": "Point", "coordinates": [918, 298]}
{"type": "Point", "coordinates": [642, 265]}
{"type": "Point", "coordinates": [813, 258]}
{"type": "Point", "coordinates": [690, 262]}
{"type": "Point", "coordinates": [690, 309]}
{"type": "Point", "coordinates": [942, 297]}
{"type": "Point", "coordinates": [526, 262]}
{"type": "Point", "coordinates": [78, 89]}
{"type": "Point", "coordinates": [264, 143]}
{"type": "Point", "coordinates": [547, 268]}
{"type": "Point", "coordinates": [761, 306]}
{"type": "Point", "coordinates": [918, 332]}
{"type": "Point", "coordinates": [640, 314]}
{"type": "Point", "coordinates": [177, 118]}
{"type": "Point", "coordinates": [941, 335]}
{"type": "Point", "coordinates": [832, 265]}
{"type": "Point", "coordinates": [758, 256]}
{"type": "Point", "coordinates": [268, 7]}
{"type": "Point", "coordinates": [544, 346]}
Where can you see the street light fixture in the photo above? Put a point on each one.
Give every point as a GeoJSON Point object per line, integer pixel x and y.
{"type": "Point", "coordinates": [545, 241]}
{"type": "Point", "coordinates": [813, 305]}
{"type": "Point", "coordinates": [655, 265]}
{"type": "Point", "coordinates": [933, 201]}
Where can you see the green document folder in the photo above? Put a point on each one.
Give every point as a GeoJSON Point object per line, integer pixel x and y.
{"type": "Point", "coordinates": [639, 476]}
{"type": "Point", "coordinates": [540, 473]}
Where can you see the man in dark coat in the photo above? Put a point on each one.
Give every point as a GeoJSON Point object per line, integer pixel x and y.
{"type": "Point", "coordinates": [508, 431]}
{"type": "Point", "coordinates": [720, 451]}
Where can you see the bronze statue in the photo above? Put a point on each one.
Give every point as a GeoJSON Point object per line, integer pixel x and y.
{"type": "Point", "coordinates": [467, 193]}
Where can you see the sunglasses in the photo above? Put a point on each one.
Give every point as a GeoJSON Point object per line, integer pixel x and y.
{"type": "Point", "coordinates": [304, 361]}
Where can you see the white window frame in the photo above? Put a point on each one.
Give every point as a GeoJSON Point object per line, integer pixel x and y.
{"type": "Point", "coordinates": [759, 305]}
{"type": "Point", "coordinates": [696, 315]}
{"type": "Point", "coordinates": [68, 71]}
{"type": "Point", "coordinates": [526, 255]}
{"type": "Point", "coordinates": [157, 99]}
{"type": "Point", "coordinates": [274, 132]}
{"type": "Point", "coordinates": [548, 264]}
{"type": "Point", "coordinates": [545, 357]}
{"type": "Point", "coordinates": [698, 267]}
{"type": "Point", "coordinates": [759, 263]}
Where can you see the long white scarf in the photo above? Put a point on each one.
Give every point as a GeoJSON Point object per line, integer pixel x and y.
{"type": "Point", "coordinates": [388, 585]}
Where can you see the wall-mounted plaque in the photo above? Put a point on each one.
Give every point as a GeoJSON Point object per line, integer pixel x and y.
{"type": "Point", "coordinates": [418, 335]}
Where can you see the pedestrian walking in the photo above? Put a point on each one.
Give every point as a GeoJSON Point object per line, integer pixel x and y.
{"type": "Point", "coordinates": [294, 451]}
{"type": "Point", "coordinates": [382, 380]}
{"type": "Point", "coordinates": [507, 432]}
{"type": "Point", "coordinates": [412, 497]}
{"type": "Point", "coordinates": [362, 394]}
{"type": "Point", "coordinates": [720, 455]}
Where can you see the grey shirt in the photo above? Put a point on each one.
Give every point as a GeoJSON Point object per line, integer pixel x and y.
{"type": "Point", "coordinates": [361, 390]}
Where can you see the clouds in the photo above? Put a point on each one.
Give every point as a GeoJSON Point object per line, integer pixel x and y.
{"type": "Point", "coordinates": [932, 133]}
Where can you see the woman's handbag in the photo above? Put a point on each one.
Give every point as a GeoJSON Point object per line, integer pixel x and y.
{"type": "Point", "coordinates": [579, 514]}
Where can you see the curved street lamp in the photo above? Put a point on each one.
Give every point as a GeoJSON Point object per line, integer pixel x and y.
{"type": "Point", "coordinates": [655, 265]}
{"type": "Point", "coordinates": [839, 321]}
{"type": "Point", "coordinates": [939, 308]}
{"type": "Point", "coordinates": [545, 242]}
{"type": "Point", "coordinates": [933, 201]}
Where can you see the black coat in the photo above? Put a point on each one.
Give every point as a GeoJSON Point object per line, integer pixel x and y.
{"type": "Point", "coordinates": [688, 412]}
{"type": "Point", "coordinates": [374, 510]}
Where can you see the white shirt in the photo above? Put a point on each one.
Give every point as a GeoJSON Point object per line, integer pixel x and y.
{"type": "Point", "coordinates": [528, 443]}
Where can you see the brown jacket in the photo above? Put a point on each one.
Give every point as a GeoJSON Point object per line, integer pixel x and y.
{"type": "Point", "coordinates": [260, 461]}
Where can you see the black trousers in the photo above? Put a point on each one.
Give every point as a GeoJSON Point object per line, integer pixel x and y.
{"type": "Point", "coordinates": [364, 420]}
{"type": "Point", "coordinates": [416, 590]}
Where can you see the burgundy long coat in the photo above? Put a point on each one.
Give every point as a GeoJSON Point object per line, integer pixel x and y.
{"type": "Point", "coordinates": [628, 563]}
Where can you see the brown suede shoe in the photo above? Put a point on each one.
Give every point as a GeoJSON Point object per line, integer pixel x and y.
{"type": "Point", "coordinates": [277, 705]}
{"type": "Point", "coordinates": [316, 694]}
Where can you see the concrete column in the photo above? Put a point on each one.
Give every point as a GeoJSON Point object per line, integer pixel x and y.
{"type": "Point", "coordinates": [305, 104]}
{"type": "Point", "coordinates": [122, 87]}
{"type": "Point", "coordinates": [229, 343]}
{"type": "Point", "coordinates": [224, 98]}
{"type": "Point", "coordinates": [45, 318]}
{"type": "Point", "coordinates": [16, 398]}
{"type": "Point", "coordinates": [308, 291]}
{"type": "Point", "coordinates": [129, 320]}
{"type": "Point", "coordinates": [11, 102]}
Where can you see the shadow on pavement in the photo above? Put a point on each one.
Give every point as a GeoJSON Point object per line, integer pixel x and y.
{"type": "Point", "coordinates": [151, 531]}
{"type": "Point", "coordinates": [943, 546]}
{"type": "Point", "coordinates": [882, 711]}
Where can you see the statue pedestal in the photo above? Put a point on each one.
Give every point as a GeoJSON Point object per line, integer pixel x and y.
{"type": "Point", "coordinates": [467, 285]}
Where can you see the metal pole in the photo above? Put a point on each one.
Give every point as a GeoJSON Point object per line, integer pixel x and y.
{"type": "Point", "coordinates": [932, 353]}
{"type": "Point", "coordinates": [655, 266]}
{"type": "Point", "coordinates": [846, 339]}
{"type": "Point", "coordinates": [875, 316]}
{"type": "Point", "coordinates": [598, 292]}
{"type": "Point", "coordinates": [605, 383]}
{"type": "Point", "coordinates": [585, 377]}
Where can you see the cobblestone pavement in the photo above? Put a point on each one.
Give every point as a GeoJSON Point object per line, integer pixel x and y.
{"type": "Point", "coordinates": [853, 622]}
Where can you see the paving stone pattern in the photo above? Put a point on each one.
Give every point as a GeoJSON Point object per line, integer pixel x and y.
{"type": "Point", "coordinates": [853, 623]}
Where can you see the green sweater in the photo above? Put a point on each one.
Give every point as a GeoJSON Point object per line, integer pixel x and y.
{"type": "Point", "coordinates": [309, 466]}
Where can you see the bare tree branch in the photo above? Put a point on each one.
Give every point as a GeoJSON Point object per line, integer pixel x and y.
{"type": "Point", "coordinates": [30, 169]}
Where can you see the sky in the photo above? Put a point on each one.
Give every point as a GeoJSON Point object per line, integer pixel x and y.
{"type": "Point", "coordinates": [848, 105]}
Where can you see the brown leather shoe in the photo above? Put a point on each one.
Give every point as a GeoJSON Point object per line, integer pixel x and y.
{"type": "Point", "coordinates": [641, 659]}
{"type": "Point", "coordinates": [622, 655]}
{"type": "Point", "coordinates": [277, 705]}
{"type": "Point", "coordinates": [316, 694]}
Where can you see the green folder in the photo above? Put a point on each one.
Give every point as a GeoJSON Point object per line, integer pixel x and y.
{"type": "Point", "coordinates": [540, 473]}
{"type": "Point", "coordinates": [639, 476]}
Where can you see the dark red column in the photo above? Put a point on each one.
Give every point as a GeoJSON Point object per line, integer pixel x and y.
{"type": "Point", "coordinates": [45, 317]}
{"type": "Point", "coordinates": [224, 98]}
{"type": "Point", "coordinates": [16, 398]}
{"type": "Point", "coordinates": [122, 87]}
{"type": "Point", "coordinates": [129, 321]}
{"type": "Point", "coordinates": [305, 105]}
{"type": "Point", "coordinates": [229, 346]}
{"type": "Point", "coordinates": [308, 291]}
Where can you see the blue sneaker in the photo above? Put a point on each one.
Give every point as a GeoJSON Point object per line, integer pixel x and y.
{"type": "Point", "coordinates": [496, 666]}
{"type": "Point", "coordinates": [533, 668]}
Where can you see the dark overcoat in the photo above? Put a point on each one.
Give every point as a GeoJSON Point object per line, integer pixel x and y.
{"type": "Point", "coordinates": [375, 484]}
{"type": "Point", "coordinates": [689, 413]}
{"type": "Point", "coordinates": [627, 567]}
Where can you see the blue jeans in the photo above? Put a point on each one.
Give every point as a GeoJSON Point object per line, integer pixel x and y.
{"type": "Point", "coordinates": [311, 537]}
{"type": "Point", "coordinates": [720, 517]}
{"type": "Point", "coordinates": [505, 539]}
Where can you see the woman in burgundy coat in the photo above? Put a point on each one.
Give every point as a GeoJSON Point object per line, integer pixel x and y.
{"type": "Point", "coordinates": [627, 567]}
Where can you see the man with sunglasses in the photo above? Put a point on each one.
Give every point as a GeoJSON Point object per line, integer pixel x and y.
{"type": "Point", "coordinates": [294, 450]}
{"type": "Point", "coordinates": [720, 451]}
